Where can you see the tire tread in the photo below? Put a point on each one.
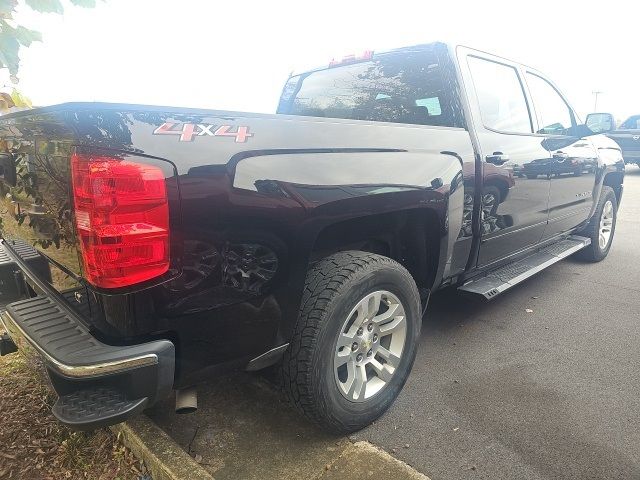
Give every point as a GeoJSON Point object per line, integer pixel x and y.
{"type": "Point", "coordinates": [325, 280]}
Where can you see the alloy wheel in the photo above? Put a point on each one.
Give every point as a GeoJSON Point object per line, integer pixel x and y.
{"type": "Point", "coordinates": [370, 346]}
{"type": "Point", "coordinates": [606, 225]}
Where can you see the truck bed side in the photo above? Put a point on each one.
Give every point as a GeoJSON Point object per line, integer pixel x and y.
{"type": "Point", "coordinates": [255, 199]}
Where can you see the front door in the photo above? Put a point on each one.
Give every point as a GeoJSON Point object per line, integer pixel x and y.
{"type": "Point", "coordinates": [514, 207]}
{"type": "Point", "coordinates": [573, 162]}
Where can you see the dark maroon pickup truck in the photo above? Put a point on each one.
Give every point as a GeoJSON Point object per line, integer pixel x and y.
{"type": "Point", "coordinates": [147, 249]}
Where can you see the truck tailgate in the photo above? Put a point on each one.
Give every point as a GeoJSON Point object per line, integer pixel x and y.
{"type": "Point", "coordinates": [35, 208]}
{"type": "Point", "coordinates": [49, 200]}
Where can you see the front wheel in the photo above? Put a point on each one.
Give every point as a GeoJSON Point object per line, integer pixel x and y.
{"type": "Point", "coordinates": [601, 227]}
{"type": "Point", "coordinates": [355, 340]}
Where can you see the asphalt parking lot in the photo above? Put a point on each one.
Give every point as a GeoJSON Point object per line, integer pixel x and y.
{"type": "Point", "coordinates": [500, 393]}
{"type": "Point", "coordinates": [496, 391]}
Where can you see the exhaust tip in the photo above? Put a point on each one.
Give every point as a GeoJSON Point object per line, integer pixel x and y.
{"type": "Point", "coordinates": [186, 400]}
{"type": "Point", "coordinates": [185, 410]}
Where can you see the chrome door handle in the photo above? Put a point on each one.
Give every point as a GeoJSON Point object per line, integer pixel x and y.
{"type": "Point", "coordinates": [497, 158]}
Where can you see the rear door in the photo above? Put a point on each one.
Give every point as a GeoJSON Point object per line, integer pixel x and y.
{"type": "Point", "coordinates": [573, 164]}
{"type": "Point", "coordinates": [514, 207]}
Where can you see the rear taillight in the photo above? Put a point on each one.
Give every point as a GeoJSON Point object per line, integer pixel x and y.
{"type": "Point", "coordinates": [122, 219]}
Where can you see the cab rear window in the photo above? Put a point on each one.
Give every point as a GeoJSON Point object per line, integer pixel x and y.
{"type": "Point", "coordinates": [398, 87]}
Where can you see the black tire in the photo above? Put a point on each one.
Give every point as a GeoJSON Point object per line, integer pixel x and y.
{"type": "Point", "coordinates": [333, 287]}
{"type": "Point", "coordinates": [594, 252]}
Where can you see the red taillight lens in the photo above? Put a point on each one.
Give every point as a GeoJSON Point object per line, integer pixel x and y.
{"type": "Point", "coordinates": [122, 219]}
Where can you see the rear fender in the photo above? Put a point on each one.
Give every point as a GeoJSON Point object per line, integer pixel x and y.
{"type": "Point", "coordinates": [342, 186]}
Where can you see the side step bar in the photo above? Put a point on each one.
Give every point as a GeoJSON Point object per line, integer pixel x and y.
{"type": "Point", "coordinates": [497, 281]}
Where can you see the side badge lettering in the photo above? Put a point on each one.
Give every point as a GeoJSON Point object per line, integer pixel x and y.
{"type": "Point", "coordinates": [188, 131]}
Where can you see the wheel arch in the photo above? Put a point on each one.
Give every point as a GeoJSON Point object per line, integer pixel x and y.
{"type": "Point", "coordinates": [615, 181]}
{"type": "Point", "coordinates": [411, 237]}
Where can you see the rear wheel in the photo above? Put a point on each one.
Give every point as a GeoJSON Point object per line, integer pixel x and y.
{"type": "Point", "coordinates": [601, 228]}
{"type": "Point", "coordinates": [355, 340]}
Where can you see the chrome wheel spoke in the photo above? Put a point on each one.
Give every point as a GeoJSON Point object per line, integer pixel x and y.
{"type": "Point", "coordinates": [361, 311]}
{"type": "Point", "coordinates": [383, 373]}
{"type": "Point", "coordinates": [341, 359]}
{"type": "Point", "coordinates": [391, 358]}
{"type": "Point", "coordinates": [359, 384]}
{"type": "Point", "coordinates": [373, 304]}
{"type": "Point", "coordinates": [351, 375]}
{"type": "Point", "coordinates": [388, 328]}
{"type": "Point", "coordinates": [391, 311]}
{"type": "Point", "coordinates": [345, 340]}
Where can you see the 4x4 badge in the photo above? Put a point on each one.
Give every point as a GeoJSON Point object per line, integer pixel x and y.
{"type": "Point", "coordinates": [188, 131]}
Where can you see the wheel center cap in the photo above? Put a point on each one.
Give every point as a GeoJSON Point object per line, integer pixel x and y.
{"type": "Point", "coordinates": [366, 343]}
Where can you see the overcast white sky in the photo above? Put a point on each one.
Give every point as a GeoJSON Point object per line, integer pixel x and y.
{"type": "Point", "coordinates": [235, 55]}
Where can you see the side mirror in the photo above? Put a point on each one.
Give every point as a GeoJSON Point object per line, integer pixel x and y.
{"type": "Point", "coordinates": [601, 122]}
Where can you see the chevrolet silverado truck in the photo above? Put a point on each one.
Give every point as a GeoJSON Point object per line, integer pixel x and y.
{"type": "Point", "coordinates": [147, 249]}
{"type": "Point", "coordinates": [627, 134]}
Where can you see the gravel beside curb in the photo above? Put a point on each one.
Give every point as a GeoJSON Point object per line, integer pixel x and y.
{"type": "Point", "coordinates": [162, 456]}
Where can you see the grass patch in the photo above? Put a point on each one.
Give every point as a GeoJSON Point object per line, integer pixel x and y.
{"type": "Point", "coordinates": [33, 445]}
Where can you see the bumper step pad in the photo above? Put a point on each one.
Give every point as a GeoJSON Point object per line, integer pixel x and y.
{"type": "Point", "coordinates": [497, 281]}
{"type": "Point", "coordinates": [98, 384]}
{"type": "Point", "coordinates": [95, 407]}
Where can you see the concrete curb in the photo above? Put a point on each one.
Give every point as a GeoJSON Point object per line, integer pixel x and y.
{"type": "Point", "coordinates": [162, 456]}
{"type": "Point", "coordinates": [408, 472]}
{"type": "Point", "coordinates": [363, 460]}
{"type": "Point", "coordinates": [166, 460]}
